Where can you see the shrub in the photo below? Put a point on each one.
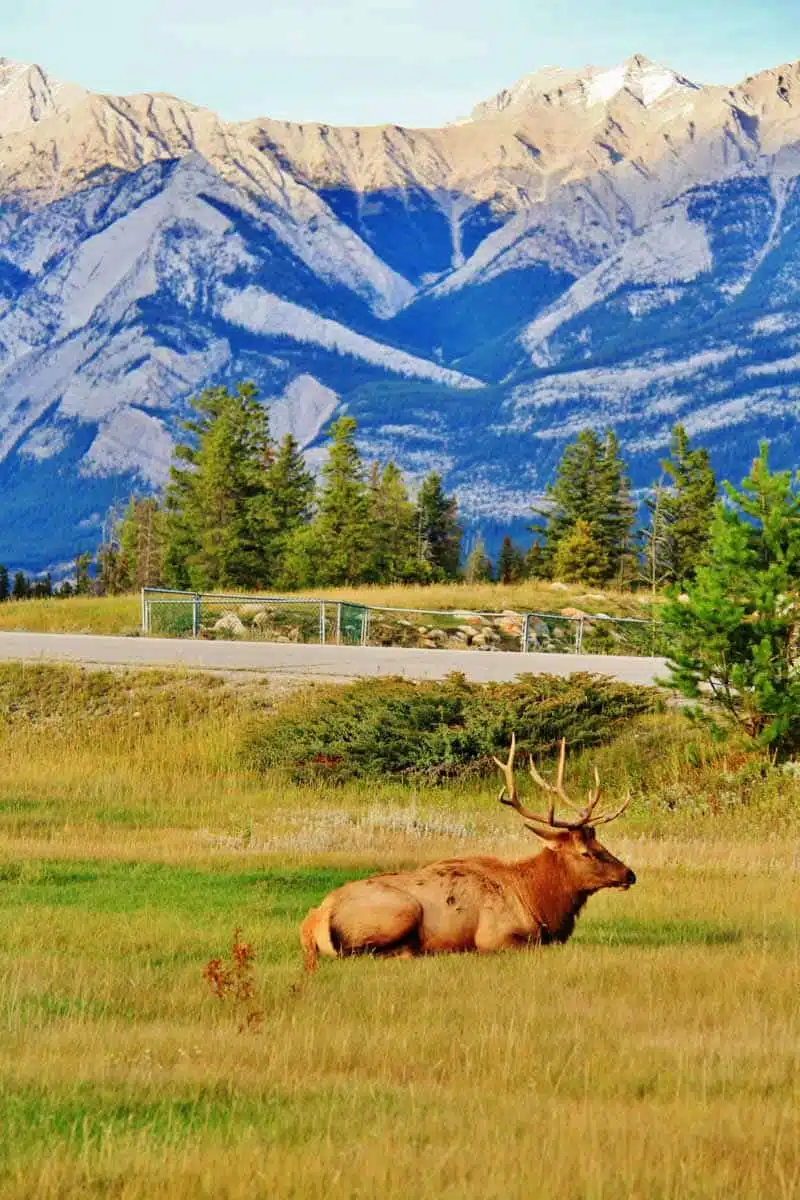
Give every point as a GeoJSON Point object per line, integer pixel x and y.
{"type": "Point", "coordinates": [381, 728]}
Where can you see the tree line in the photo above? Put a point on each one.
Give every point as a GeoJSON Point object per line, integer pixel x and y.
{"type": "Point", "coordinates": [242, 512]}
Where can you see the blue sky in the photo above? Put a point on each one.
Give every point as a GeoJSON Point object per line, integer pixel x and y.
{"type": "Point", "coordinates": [413, 62]}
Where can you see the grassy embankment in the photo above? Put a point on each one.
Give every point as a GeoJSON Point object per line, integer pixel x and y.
{"type": "Point", "coordinates": [122, 614]}
{"type": "Point", "coordinates": [654, 1056]}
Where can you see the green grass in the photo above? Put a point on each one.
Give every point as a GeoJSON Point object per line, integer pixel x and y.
{"type": "Point", "coordinates": [655, 1056]}
{"type": "Point", "coordinates": [120, 1074]}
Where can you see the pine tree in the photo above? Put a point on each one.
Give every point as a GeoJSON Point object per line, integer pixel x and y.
{"type": "Point", "coordinates": [510, 562]}
{"type": "Point", "coordinates": [5, 584]}
{"type": "Point", "coordinates": [686, 508]}
{"type": "Point", "coordinates": [580, 557]}
{"type": "Point", "coordinates": [221, 527]}
{"type": "Point", "coordinates": [438, 530]}
{"type": "Point", "coordinates": [394, 528]}
{"type": "Point", "coordinates": [478, 567]}
{"type": "Point", "coordinates": [734, 642]}
{"type": "Point", "coordinates": [341, 529]}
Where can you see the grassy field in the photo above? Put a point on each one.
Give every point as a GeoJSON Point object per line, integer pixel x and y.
{"type": "Point", "coordinates": [122, 614]}
{"type": "Point", "coordinates": [655, 1056]}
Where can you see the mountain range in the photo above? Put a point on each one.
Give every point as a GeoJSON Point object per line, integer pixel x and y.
{"type": "Point", "coordinates": [615, 248]}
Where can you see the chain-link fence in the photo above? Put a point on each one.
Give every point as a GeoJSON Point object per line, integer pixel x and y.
{"type": "Point", "coordinates": [338, 622]}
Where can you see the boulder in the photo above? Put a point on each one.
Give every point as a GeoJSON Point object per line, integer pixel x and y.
{"type": "Point", "coordinates": [231, 624]}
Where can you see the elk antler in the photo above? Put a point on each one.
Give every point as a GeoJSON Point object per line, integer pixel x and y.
{"type": "Point", "coordinates": [510, 796]}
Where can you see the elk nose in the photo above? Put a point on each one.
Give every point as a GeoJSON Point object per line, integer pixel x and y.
{"type": "Point", "coordinates": [630, 879]}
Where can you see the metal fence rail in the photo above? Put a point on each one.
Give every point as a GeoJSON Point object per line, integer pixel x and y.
{"type": "Point", "coordinates": [169, 613]}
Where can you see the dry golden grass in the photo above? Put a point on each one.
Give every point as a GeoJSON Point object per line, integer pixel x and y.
{"type": "Point", "coordinates": [122, 614]}
{"type": "Point", "coordinates": [655, 1056]}
{"type": "Point", "coordinates": [77, 614]}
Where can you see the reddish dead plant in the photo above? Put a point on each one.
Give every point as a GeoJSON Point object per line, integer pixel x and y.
{"type": "Point", "coordinates": [233, 983]}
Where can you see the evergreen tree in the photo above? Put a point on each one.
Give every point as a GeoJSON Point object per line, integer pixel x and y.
{"type": "Point", "coordinates": [735, 641]}
{"type": "Point", "coordinates": [478, 567]}
{"type": "Point", "coordinates": [394, 528]}
{"type": "Point", "coordinates": [83, 579]}
{"type": "Point", "coordinates": [221, 526]}
{"type": "Point", "coordinates": [686, 508]}
{"type": "Point", "coordinates": [591, 486]}
{"type": "Point", "coordinates": [510, 562]}
{"type": "Point", "coordinates": [438, 530]}
{"type": "Point", "coordinates": [42, 589]}
{"type": "Point", "coordinates": [341, 530]}
{"type": "Point", "coordinates": [5, 584]}
{"type": "Point", "coordinates": [20, 588]}
{"type": "Point", "coordinates": [291, 487]}
{"type": "Point", "coordinates": [615, 512]}
{"type": "Point", "coordinates": [580, 557]}
{"type": "Point", "coordinates": [141, 538]}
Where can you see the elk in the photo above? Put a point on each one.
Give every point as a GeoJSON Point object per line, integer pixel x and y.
{"type": "Point", "coordinates": [481, 903]}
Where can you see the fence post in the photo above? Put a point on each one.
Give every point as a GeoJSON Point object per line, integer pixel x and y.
{"type": "Point", "coordinates": [195, 615]}
{"type": "Point", "coordinates": [526, 632]}
{"type": "Point", "coordinates": [579, 635]}
{"type": "Point", "coordinates": [339, 623]}
{"type": "Point", "coordinates": [322, 622]}
{"type": "Point", "coordinates": [365, 628]}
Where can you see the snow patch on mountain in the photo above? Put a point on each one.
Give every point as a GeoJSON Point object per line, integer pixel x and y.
{"type": "Point", "coordinates": [302, 410]}
{"type": "Point", "coordinates": [674, 249]}
{"type": "Point", "coordinates": [131, 442]}
{"type": "Point", "coordinates": [262, 312]}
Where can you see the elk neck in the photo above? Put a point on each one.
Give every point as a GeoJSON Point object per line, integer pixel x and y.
{"type": "Point", "coordinates": [550, 894]}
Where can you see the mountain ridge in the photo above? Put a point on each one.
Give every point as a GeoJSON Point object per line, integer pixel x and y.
{"type": "Point", "coordinates": [601, 246]}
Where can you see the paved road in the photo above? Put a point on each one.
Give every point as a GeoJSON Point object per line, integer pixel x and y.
{"type": "Point", "coordinates": [341, 662]}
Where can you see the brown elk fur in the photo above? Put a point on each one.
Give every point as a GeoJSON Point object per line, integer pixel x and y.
{"type": "Point", "coordinates": [480, 904]}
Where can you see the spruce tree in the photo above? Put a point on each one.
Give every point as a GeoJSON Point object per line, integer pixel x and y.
{"type": "Point", "coordinates": [734, 641]}
{"type": "Point", "coordinates": [340, 532]}
{"type": "Point", "coordinates": [591, 486]}
{"type": "Point", "coordinates": [478, 567]}
{"type": "Point", "coordinates": [5, 584]}
{"type": "Point", "coordinates": [394, 528]}
{"type": "Point", "coordinates": [580, 557]}
{"type": "Point", "coordinates": [510, 562]}
{"type": "Point", "coordinates": [20, 588]}
{"type": "Point", "coordinates": [615, 512]}
{"type": "Point", "coordinates": [291, 487]}
{"type": "Point", "coordinates": [439, 533]}
{"type": "Point", "coordinates": [686, 508]}
{"type": "Point", "coordinates": [221, 526]}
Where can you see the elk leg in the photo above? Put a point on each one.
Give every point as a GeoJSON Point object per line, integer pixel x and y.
{"type": "Point", "coordinates": [376, 919]}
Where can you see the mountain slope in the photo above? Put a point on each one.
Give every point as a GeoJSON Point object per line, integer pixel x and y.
{"type": "Point", "coordinates": [597, 247]}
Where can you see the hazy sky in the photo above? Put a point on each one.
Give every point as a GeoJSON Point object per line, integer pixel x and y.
{"type": "Point", "coordinates": [413, 62]}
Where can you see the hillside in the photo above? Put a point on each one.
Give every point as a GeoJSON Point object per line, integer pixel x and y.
{"type": "Point", "coordinates": [602, 247]}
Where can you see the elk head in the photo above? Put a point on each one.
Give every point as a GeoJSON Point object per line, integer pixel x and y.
{"type": "Point", "coordinates": [590, 866]}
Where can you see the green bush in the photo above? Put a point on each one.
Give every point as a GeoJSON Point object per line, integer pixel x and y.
{"type": "Point", "coordinates": [380, 728]}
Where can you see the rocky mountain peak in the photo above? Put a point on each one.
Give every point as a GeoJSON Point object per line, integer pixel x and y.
{"type": "Point", "coordinates": [647, 81]}
{"type": "Point", "coordinates": [29, 95]}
